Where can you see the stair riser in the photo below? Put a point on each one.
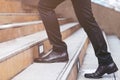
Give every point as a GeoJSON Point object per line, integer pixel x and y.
{"type": "Point", "coordinates": [74, 73]}
{"type": "Point", "coordinates": [16, 64]}
{"type": "Point", "coordinates": [70, 31]}
{"type": "Point", "coordinates": [10, 6]}
{"type": "Point", "coordinates": [8, 19]}
{"type": "Point", "coordinates": [83, 52]}
{"type": "Point", "coordinates": [30, 3]}
{"type": "Point", "coordinates": [16, 6]}
{"type": "Point", "coordinates": [19, 62]}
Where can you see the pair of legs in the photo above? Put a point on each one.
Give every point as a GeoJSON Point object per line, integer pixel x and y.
{"type": "Point", "coordinates": [85, 17]}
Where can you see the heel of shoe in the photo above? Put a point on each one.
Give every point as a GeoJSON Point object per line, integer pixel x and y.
{"type": "Point", "coordinates": [112, 71]}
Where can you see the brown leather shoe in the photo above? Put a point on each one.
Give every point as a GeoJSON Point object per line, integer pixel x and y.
{"type": "Point", "coordinates": [111, 68]}
{"type": "Point", "coordinates": [53, 57]}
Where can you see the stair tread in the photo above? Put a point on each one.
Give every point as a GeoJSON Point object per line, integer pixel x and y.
{"type": "Point", "coordinates": [12, 47]}
{"type": "Point", "coordinates": [53, 71]}
{"type": "Point", "coordinates": [41, 71]}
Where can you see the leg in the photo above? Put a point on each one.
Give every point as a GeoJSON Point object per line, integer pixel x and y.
{"type": "Point", "coordinates": [85, 16]}
{"type": "Point", "coordinates": [48, 16]}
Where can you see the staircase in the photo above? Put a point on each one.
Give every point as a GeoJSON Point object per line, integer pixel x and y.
{"type": "Point", "coordinates": [23, 38]}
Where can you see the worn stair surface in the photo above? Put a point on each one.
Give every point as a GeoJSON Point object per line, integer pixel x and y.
{"type": "Point", "coordinates": [56, 71]}
{"type": "Point", "coordinates": [90, 63]}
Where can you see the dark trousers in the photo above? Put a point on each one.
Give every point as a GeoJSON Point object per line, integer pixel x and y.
{"type": "Point", "coordinates": [85, 17]}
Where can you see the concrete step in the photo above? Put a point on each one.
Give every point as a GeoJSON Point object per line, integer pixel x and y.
{"type": "Point", "coordinates": [19, 53]}
{"type": "Point", "coordinates": [90, 66]}
{"type": "Point", "coordinates": [15, 30]}
{"type": "Point", "coordinates": [58, 71]}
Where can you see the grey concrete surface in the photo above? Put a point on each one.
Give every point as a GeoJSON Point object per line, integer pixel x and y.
{"type": "Point", "coordinates": [90, 62]}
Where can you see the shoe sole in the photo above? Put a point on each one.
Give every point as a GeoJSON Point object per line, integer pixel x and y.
{"type": "Point", "coordinates": [93, 77]}
{"type": "Point", "coordinates": [52, 61]}
{"type": "Point", "coordinates": [109, 71]}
